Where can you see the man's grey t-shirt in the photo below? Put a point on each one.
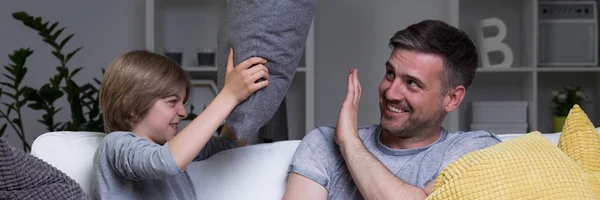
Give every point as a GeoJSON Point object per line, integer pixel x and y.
{"type": "Point", "coordinates": [130, 167]}
{"type": "Point", "coordinates": [318, 158]}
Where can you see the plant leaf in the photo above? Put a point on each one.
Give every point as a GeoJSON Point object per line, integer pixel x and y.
{"type": "Point", "coordinates": [17, 121]}
{"type": "Point", "coordinates": [6, 84]}
{"type": "Point", "coordinates": [59, 56]}
{"type": "Point", "coordinates": [63, 71]}
{"type": "Point", "coordinates": [21, 103]}
{"type": "Point", "coordinates": [52, 27]}
{"type": "Point", "coordinates": [35, 106]}
{"type": "Point", "coordinates": [2, 130]}
{"type": "Point", "coordinates": [97, 81]}
{"type": "Point", "coordinates": [70, 55]}
{"type": "Point", "coordinates": [57, 33]}
{"type": "Point", "coordinates": [75, 71]}
{"type": "Point", "coordinates": [64, 42]}
{"type": "Point", "coordinates": [50, 94]}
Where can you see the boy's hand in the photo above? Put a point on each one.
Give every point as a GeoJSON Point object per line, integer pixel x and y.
{"type": "Point", "coordinates": [241, 81]}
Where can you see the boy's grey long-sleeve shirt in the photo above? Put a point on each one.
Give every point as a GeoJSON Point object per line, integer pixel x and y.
{"type": "Point", "coordinates": [130, 167]}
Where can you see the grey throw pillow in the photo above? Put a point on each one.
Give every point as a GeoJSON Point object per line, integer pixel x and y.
{"type": "Point", "coordinates": [275, 30]}
{"type": "Point", "coordinates": [23, 176]}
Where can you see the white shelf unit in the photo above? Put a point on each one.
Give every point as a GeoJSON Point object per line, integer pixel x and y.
{"type": "Point", "coordinates": [526, 80]}
{"type": "Point", "coordinates": [193, 24]}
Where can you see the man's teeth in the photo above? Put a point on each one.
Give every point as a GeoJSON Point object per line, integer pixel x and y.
{"type": "Point", "coordinates": [394, 109]}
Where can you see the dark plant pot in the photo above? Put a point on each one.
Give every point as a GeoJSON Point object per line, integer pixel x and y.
{"type": "Point", "coordinates": [175, 55]}
{"type": "Point", "coordinates": [206, 57]}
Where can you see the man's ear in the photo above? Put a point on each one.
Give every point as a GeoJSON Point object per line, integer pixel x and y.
{"type": "Point", "coordinates": [453, 98]}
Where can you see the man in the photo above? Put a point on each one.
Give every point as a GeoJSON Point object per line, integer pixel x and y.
{"type": "Point", "coordinates": [431, 66]}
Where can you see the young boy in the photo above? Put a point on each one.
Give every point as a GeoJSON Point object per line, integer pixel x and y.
{"type": "Point", "coordinates": [142, 99]}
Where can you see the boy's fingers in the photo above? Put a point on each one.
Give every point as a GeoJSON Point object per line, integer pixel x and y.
{"type": "Point", "coordinates": [260, 85]}
{"type": "Point", "coordinates": [230, 60]}
{"type": "Point", "coordinates": [250, 62]}
{"type": "Point", "coordinates": [257, 68]}
{"type": "Point", "coordinates": [258, 75]}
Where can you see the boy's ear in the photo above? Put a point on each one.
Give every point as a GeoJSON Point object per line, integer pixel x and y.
{"type": "Point", "coordinates": [125, 104]}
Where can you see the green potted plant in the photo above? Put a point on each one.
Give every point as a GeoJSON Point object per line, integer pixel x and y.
{"type": "Point", "coordinates": [563, 101]}
{"type": "Point", "coordinates": [82, 98]}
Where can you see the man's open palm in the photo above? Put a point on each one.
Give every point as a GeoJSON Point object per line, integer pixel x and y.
{"type": "Point", "coordinates": [347, 125]}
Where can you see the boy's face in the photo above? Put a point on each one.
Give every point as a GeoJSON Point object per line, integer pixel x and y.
{"type": "Point", "coordinates": [160, 123]}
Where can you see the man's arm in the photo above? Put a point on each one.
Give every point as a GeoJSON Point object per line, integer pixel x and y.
{"type": "Point", "coordinates": [300, 187]}
{"type": "Point", "coordinates": [373, 179]}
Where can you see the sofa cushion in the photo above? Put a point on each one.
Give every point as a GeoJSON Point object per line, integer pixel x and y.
{"type": "Point", "coordinates": [581, 142]}
{"type": "Point", "coordinates": [526, 167]}
{"type": "Point", "coordinates": [70, 152]}
{"type": "Point", "coordinates": [251, 172]}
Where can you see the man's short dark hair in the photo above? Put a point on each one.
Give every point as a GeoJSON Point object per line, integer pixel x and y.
{"type": "Point", "coordinates": [453, 45]}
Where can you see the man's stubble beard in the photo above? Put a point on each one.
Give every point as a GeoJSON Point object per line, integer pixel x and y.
{"type": "Point", "coordinates": [411, 127]}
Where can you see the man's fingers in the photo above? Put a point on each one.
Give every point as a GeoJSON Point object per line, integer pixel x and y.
{"type": "Point", "coordinates": [350, 92]}
{"type": "Point", "coordinates": [359, 91]}
{"type": "Point", "coordinates": [357, 87]}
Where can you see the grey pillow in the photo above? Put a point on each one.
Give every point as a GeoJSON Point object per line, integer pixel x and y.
{"type": "Point", "coordinates": [23, 176]}
{"type": "Point", "coordinates": [275, 30]}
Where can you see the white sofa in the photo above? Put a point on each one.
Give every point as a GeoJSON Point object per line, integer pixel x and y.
{"type": "Point", "coordinates": [251, 172]}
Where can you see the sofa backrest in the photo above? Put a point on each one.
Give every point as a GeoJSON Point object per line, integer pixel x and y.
{"type": "Point", "coordinates": [251, 172]}
{"type": "Point", "coordinates": [257, 167]}
{"type": "Point", "coordinates": [553, 137]}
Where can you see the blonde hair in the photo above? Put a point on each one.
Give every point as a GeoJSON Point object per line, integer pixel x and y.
{"type": "Point", "coordinates": [133, 82]}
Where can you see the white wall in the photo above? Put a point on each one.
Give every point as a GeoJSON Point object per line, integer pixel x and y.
{"type": "Point", "coordinates": [348, 34]}
{"type": "Point", "coordinates": [104, 29]}
{"type": "Point", "coordinates": [355, 34]}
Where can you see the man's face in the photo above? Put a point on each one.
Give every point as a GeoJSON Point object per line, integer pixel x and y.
{"type": "Point", "coordinates": [410, 97]}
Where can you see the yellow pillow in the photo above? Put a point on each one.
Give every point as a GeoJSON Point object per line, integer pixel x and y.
{"type": "Point", "coordinates": [526, 167]}
{"type": "Point", "coordinates": [581, 142]}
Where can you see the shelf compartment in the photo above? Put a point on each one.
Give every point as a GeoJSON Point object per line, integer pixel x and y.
{"type": "Point", "coordinates": [509, 86]}
{"type": "Point", "coordinates": [510, 69]}
{"type": "Point", "coordinates": [517, 15]}
{"type": "Point", "coordinates": [549, 81]}
{"type": "Point", "coordinates": [569, 69]}
{"type": "Point", "coordinates": [188, 25]}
